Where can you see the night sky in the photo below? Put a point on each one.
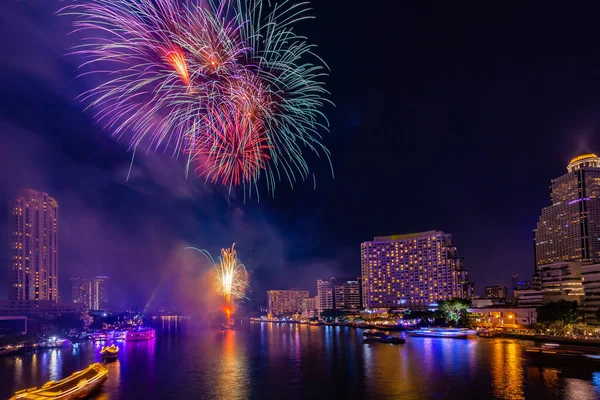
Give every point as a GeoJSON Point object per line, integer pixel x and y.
{"type": "Point", "coordinates": [446, 117]}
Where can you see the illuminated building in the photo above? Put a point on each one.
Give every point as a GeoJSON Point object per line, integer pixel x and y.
{"type": "Point", "coordinates": [347, 295]}
{"type": "Point", "coordinates": [46, 308]}
{"type": "Point", "coordinates": [414, 270]}
{"type": "Point", "coordinates": [504, 316]}
{"type": "Point", "coordinates": [495, 292]}
{"type": "Point", "coordinates": [591, 288]}
{"type": "Point", "coordinates": [310, 306]}
{"type": "Point", "coordinates": [325, 294]}
{"type": "Point", "coordinates": [33, 247]}
{"type": "Point", "coordinates": [92, 293]}
{"type": "Point", "coordinates": [569, 229]}
{"type": "Point", "coordinates": [282, 302]}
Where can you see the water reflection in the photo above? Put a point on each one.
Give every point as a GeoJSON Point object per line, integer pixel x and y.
{"type": "Point", "coordinates": [232, 377]}
{"type": "Point", "coordinates": [507, 370]}
{"type": "Point", "coordinates": [55, 365]}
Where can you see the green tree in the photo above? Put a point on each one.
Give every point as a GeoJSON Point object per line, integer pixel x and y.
{"type": "Point", "coordinates": [559, 311]}
{"type": "Point", "coordinates": [455, 311]}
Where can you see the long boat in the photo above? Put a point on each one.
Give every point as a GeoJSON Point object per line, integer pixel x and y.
{"type": "Point", "coordinates": [110, 353]}
{"type": "Point", "coordinates": [576, 354]}
{"type": "Point", "coordinates": [76, 386]}
{"type": "Point", "coordinates": [454, 333]}
{"type": "Point", "coordinates": [140, 334]}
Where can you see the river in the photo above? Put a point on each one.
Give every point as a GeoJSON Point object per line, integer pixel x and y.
{"type": "Point", "coordinates": [271, 361]}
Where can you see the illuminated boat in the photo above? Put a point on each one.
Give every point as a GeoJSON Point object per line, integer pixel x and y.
{"type": "Point", "coordinates": [110, 353]}
{"type": "Point", "coordinates": [453, 333]}
{"type": "Point", "coordinates": [76, 386]}
{"type": "Point", "coordinates": [487, 334]}
{"type": "Point", "coordinates": [392, 339]}
{"type": "Point", "coordinates": [565, 353]}
{"type": "Point", "coordinates": [373, 336]}
{"type": "Point", "coordinates": [138, 334]}
{"type": "Point", "coordinates": [314, 323]}
{"type": "Point", "coordinates": [100, 336]}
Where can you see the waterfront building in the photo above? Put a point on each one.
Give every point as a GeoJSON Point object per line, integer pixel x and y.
{"type": "Point", "coordinates": [569, 229]}
{"type": "Point", "coordinates": [529, 297]}
{"type": "Point", "coordinates": [43, 308]}
{"type": "Point", "coordinates": [282, 302]}
{"type": "Point", "coordinates": [33, 247]}
{"type": "Point", "coordinates": [509, 317]}
{"type": "Point", "coordinates": [347, 295]}
{"type": "Point", "coordinates": [325, 294]}
{"type": "Point", "coordinates": [495, 292]}
{"type": "Point", "coordinates": [561, 281]}
{"type": "Point", "coordinates": [92, 293]}
{"type": "Point", "coordinates": [412, 270]}
{"type": "Point", "coordinates": [310, 306]}
{"type": "Point", "coordinates": [591, 288]}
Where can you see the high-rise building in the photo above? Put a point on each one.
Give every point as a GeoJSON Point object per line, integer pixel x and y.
{"type": "Point", "coordinates": [495, 292]}
{"type": "Point", "coordinates": [33, 247]}
{"type": "Point", "coordinates": [92, 293]}
{"type": "Point", "coordinates": [310, 306]}
{"type": "Point", "coordinates": [325, 294]}
{"type": "Point", "coordinates": [569, 229]}
{"type": "Point", "coordinates": [414, 270]}
{"type": "Point", "coordinates": [347, 295]}
{"type": "Point", "coordinates": [281, 302]}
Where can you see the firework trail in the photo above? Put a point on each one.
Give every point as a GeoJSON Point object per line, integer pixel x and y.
{"type": "Point", "coordinates": [227, 83]}
{"type": "Point", "coordinates": [230, 274]}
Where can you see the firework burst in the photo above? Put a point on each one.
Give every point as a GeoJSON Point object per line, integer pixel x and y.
{"type": "Point", "coordinates": [230, 274]}
{"type": "Point", "coordinates": [221, 81]}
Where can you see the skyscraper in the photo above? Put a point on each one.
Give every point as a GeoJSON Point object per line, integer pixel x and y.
{"type": "Point", "coordinates": [92, 293]}
{"type": "Point", "coordinates": [282, 302]}
{"type": "Point", "coordinates": [325, 294]}
{"type": "Point", "coordinates": [33, 247]}
{"type": "Point", "coordinates": [414, 270]}
{"type": "Point", "coordinates": [569, 229]}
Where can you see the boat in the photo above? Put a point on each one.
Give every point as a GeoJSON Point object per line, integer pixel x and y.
{"type": "Point", "coordinates": [392, 339]}
{"type": "Point", "coordinates": [454, 333]}
{"type": "Point", "coordinates": [565, 353]}
{"type": "Point", "coordinates": [110, 353]}
{"type": "Point", "coordinates": [141, 333]}
{"type": "Point", "coordinates": [373, 336]}
{"type": "Point", "coordinates": [487, 333]}
{"type": "Point", "coordinates": [314, 323]}
{"type": "Point", "coordinates": [100, 336]}
{"type": "Point", "coordinates": [76, 386]}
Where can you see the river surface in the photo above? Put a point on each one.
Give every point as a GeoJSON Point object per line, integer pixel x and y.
{"type": "Point", "coordinates": [270, 361]}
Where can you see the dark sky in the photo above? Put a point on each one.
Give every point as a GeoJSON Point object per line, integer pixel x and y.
{"type": "Point", "coordinates": [447, 117]}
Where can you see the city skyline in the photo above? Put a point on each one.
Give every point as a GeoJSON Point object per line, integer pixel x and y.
{"type": "Point", "coordinates": [439, 150]}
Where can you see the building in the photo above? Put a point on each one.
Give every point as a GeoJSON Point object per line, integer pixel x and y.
{"type": "Point", "coordinates": [310, 307]}
{"type": "Point", "coordinates": [529, 297]}
{"type": "Point", "coordinates": [413, 270]}
{"type": "Point", "coordinates": [569, 229]}
{"type": "Point", "coordinates": [33, 247]}
{"type": "Point", "coordinates": [561, 281]}
{"type": "Point", "coordinates": [282, 302]}
{"type": "Point", "coordinates": [495, 292]}
{"type": "Point", "coordinates": [504, 316]}
{"type": "Point", "coordinates": [42, 308]}
{"type": "Point", "coordinates": [347, 295]}
{"type": "Point", "coordinates": [591, 288]}
{"type": "Point", "coordinates": [92, 293]}
{"type": "Point", "coordinates": [325, 294]}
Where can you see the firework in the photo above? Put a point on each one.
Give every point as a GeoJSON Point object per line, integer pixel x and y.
{"type": "Point", "coordinates": [221, 81]}
{"type": "Point", "coordinates": [230, 274]}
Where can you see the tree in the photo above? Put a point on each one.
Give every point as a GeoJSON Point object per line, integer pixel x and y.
{"type": "Point", "coordinates": [455, 311]}
{"type": "Point", "coordinates": [562, 311]}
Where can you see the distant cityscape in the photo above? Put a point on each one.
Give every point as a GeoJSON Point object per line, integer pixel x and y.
{"type": "Point", "coordinates": [416, 270]}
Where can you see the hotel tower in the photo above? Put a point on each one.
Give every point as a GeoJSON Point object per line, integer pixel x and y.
{"type": "Point", "coordinates": [569, 229]}
{"type": "Point", "coordinates": [33, 247]}
{"type": "Point", "coordinates": [414, 270]}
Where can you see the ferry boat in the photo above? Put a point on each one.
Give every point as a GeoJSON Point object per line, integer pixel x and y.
{"type": "Point", "coordinates": [76, 386]}
{"type": "Point", "coordinates": [454, 333]}
{"type": "Point", "coordinates": [373, 336]}
{"type": "Point", "coordinates": [140, 334]}
{"type": "Point", "coordinates": [555, 352]}
{"type": "Point", "coordinates": [110, 353]}
{"type": "Point", "coordinates": [100, 336]}
{"type": "Point", "coordinates": [392, 339]}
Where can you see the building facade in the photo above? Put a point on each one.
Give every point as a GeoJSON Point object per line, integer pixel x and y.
{"type": "Point", "coordinates": [413, 270]}
{"type": "Point", "coordinates": [33, 247]}
{"type": "Point", "coordinates": [310, 307]}
{"type": "Point", "coordinates": [495, 292]}
{"type": "Point", "coordinates": [45, 308]}
{"type": "Point", "coordinates": [282, 302]}
{"type": "Point", "coordinates": [92, 293]}
{"type": "Point", "coordinates": [591, 288]}
{"type": "Point", "coordinates": [325, 294]}
{"type": "Point", "coordinates": [504, 316]}
{"type": "Point", "coordinates": [348, 295]}
{"type": "Point", "coordinates": [569, 229]}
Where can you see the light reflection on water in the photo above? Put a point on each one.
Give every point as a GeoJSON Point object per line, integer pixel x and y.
{"type": "Point", "coordinates": [269, 361]}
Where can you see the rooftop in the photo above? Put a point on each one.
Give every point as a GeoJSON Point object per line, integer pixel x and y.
{"type": "Point", "coordinates": [588, 160]}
